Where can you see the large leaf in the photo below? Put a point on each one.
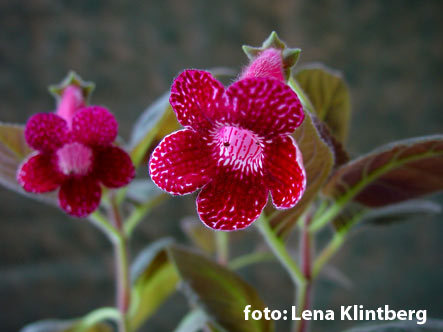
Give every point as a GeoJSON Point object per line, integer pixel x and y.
{"type": "Point", "coordinates": [13, 150]}
{"type": "Point", "coordinates": [318, 161]}
{"type": "Point", "coordinates": [57, 325]}
{"type": "Point", "coordinates": [431, 325]}
{"type": "Point", "coordinates": [154, 279]}
{"type": "Point", "coordinates": [155, 122]}
{"type": "Point", "coordinates": [394, 173]}
{"type": "Point", "coordinates": [220, 292]}
{"type": "Point", "coordinates": [329, 95]}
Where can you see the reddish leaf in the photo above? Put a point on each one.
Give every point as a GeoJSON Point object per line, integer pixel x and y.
{"type": "Point", "coordinates": [391, 174]}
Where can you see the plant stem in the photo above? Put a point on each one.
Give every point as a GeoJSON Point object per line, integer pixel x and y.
{"type": "Point", "coordinates": [122, 281]}
{"type": "Point", "coordinates": [222, 245]}
{"type": "Point", "coordinates": [139, 212]}
{"type": "Point", "coordinates": [252, 258]}
{"type": "Point", "coordinates": [279, 250]}
{"type": "Point", "coordinates": [121, 265]}
{"type": "Point", "coordinates": [303, 299]}
{"type": "Point", "coordinates": [328, 252]}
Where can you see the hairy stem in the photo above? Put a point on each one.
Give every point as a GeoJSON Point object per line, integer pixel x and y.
{"type": "Point", "coordinates": [303, 299]}
{"type": "Point", "coordinates": [121, 265]}
{"type": "Point", "coordinates": [279, 250]}
{"type": "Point", "coordinates": [222, 245]}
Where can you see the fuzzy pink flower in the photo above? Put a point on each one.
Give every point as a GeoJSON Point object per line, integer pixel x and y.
{"type": "Point", "coordinates": [235, 145]}
{"type": "Point", "coordinates": [74, 153]}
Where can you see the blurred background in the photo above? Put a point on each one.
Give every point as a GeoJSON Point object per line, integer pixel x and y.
{"type": "Point", "coordinates": [390, 53]}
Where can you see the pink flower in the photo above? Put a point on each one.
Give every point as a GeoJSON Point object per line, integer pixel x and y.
{"type": "Point", "coordinates": [74, 153]}
{"type": "Point", "coordinates": [236, 146]}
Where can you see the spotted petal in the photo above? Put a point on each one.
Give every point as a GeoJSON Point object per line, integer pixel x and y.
{"type": "Point", "coordinates": [286, 176]}
{"type": "Point", "coordinates": [46, 131]}
{"type": "Point", "coordinates": [229, 203]}
{"type": "Point", "coordinates": [113, 167]}
{"type": "Point", "coordinates": [38, 174]}
{"type": "Point", "coordinates": [94, 125]}
{"type": "Point", "coordinates": [265, 105]}
{"type": "Point", "coordinates": [198, 99]}
{"type": "Point", "coordinates": [180, 163]}
{"type": "Point", "coordinates": [81, 196]}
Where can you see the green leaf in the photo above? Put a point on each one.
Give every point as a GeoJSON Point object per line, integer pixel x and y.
{"type": "Point", "coordinates": [200, 235]}
{"type": "Point", "coordinates": [58, 325]}
{"type": "Point", "coordinates": [220, 292]}
{"type": "Point", "coordinates": [329, 95]}
{"type": "Point", "coordinates": [155, 122]}
{"type": "Point", "coordinates": [13, 151]}
{"type": "Point", "coordinates": [154, 279]}
{"type": "Point", "coordinates": [397, 172]}
{"type": "Point", "coordinates": [318, 161]}
{"type": "Point", "coordinates": [193, 322]}
{"type": "Point", "coordinates": [431, 325]}
{"type": "Point", "coordinates": [143, 190]}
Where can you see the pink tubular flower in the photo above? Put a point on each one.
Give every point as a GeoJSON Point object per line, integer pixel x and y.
{"type": "Point", "coordinates": [235, 146]}
{"type": "Point", "coordinates": [74, 152]}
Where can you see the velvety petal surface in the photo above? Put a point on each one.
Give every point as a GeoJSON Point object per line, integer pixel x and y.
{"type": "Point", "coordinates": [228, 203]}
{"type": "Point", "coordinates": [80, 196]}
{"type": "Point", "coordinates": [266, 106]}
{"type": "Point", "coordinates": [113, 166]}
{"type": "Point", "coordinates": [38, 174]}
{"type": "Point", "coordinates": [285, 174]}
{"type": "Point", "coordinates": [198, 99]}
{"type": "Point", "coordinates": [94, 125]}
{"type": "Point", "coordinates": [181, 163]}
{"type": "Point", "coordinates": [46, 131]}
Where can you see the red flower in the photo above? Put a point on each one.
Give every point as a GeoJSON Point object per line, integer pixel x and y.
{"type": "Point", "coordinates": [74, 152]}
{"type": "Point", "coordinates": [235, 145]}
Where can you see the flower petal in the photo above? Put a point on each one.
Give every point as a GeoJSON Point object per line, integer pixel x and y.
{"type": "Point", "coordinates": [180, 163]}
{"type": "Point", "coordinates": [286, 176]}
{"type": "Point", "coordinates": [266, 106]}
{"type": "Point", "coordinates": [46, 131]}
{"type": "Point", "coordinates": [38, 174]}
{"type": "Point", "coordinates": [198, 99]}
{"type": "Point", "coordinates": [80, 196]}
{"type": "Point", "coordinates": [94, 125]}
{"type": "Point", "coordinates": [113, 167]}
{"type": "Point", "coordinates": [229, 203]}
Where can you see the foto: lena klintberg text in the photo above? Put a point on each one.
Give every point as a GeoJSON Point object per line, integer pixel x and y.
{"type": "Point", "coordinates": [350, 313]}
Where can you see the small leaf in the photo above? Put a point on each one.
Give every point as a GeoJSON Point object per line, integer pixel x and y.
{"type": "Point", "coordinates": [329, 95]}
{"type": "Point", "coordinates": [200, 235]}
{"type": "Point", "coordinates": [220, 292]}
{"type": "Point", "coordinates": [58, 325]}
{"type": "Point", "coordinates": [154, 279]}
{"type": "Point", "coordinates": [431, 325]}
{"type": "Point", "coordinates": [13, 150]}
{"type": "Point", "coordinates": [318, 161]}
{"type": "Point", "coordinates": [397, 172]}
{"type": "Point", "coordinates": [155, 122]}
{"type": "Point", "coordinates": [143, 190]}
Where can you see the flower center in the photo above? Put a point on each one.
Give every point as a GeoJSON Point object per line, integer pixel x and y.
{"type": "Point", "coordinates": [240, 148]}
{"type": "Point", "coordinates": [74, 159]}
